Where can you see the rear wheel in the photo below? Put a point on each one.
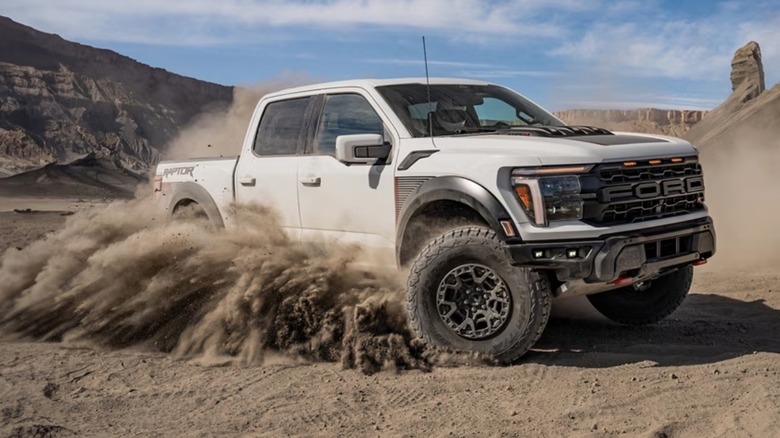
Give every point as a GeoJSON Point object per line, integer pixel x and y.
{"type": "Point", "coordinates": [194, 212]}
{"type": "Point", "coordinates": [189, 210]}
{"type": "Point", "coordinates": [464, 294]}
{"type": "Point", "coordinates": [646, 303]}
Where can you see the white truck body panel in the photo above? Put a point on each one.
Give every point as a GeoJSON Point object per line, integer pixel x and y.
{"type": "Point", "coordinates": [215, 175]}
{"type": "Point", "coordinates": [494, 204]}
{"type": "Point", "coordinates": [319, 197]}
{"type": "Point", "coordinates": [271, 181]}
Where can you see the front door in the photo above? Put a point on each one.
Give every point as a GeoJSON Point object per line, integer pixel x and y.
{"type": "Point", "coordinates": [267, 172]}
{"type": "Point", "coordinates": [347, 203]}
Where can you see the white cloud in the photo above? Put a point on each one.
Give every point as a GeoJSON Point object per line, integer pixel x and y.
{"type": "Point", "coordinates": [655, 43]}
{"type": "Point", "coordinates": [628, 47]}
{"type": "Point", "coordinates": [667, 49]}
{"type": "Point", "coordinates": [468, 69]}
{"type": "Point", "coordinates": [767, 33]}
{"type": "Point", "coordinates": [509, 73]}
{"type": "Point", "coordinates": [420, 62]}
{"type": "Point", "coordinates": [197, 22]}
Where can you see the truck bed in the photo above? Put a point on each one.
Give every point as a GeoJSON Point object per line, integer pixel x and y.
{"type": "Point", "coordinates": [215, 175]}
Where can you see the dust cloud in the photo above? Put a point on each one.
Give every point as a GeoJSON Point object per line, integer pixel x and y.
{"type": "Point", "coordinates": [221, 133]}
{"type": "Point", "coordinates": [122, 276]}
{"type": "Point", "coordinates": [743, 194]}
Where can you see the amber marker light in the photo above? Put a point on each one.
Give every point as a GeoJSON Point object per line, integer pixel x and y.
{"type": "Point", "coordinates": [508, 229]}
{"type": "Point", "coordinates": [629, 163]}
{"type": "Point", "coordinates": [524, 193]}
{"type": "Point", "coordinates": [655, 162]}
{"type": "Point", "coordinates": [677, 160]}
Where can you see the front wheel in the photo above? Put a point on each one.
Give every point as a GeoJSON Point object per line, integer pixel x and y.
{"type": "Point", "coordinates": [647, 303]}
{"type": "Point", "coordinates": [464, 294]}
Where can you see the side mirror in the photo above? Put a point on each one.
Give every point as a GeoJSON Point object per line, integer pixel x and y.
{"type": "Point", "coordinates": [361, 148]}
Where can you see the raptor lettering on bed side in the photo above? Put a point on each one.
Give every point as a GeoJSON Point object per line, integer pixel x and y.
{"type": "Point", "coordinates": [178, 171]}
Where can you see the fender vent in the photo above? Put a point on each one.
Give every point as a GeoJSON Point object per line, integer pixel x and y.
{"type": "Point", "coordinates": [404, 187]}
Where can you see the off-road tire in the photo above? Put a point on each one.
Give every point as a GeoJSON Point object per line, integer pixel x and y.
{"type": "Point", "coordinates": [634, 307]}
{"type": "Point", "coordinates": [530, 294]}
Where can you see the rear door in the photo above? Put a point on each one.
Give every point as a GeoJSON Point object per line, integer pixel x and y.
{"type": "Point", "coordinates": [267, 172]}
{"type": "Point", "coordinates": [348, 203]}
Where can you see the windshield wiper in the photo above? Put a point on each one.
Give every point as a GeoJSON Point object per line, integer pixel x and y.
{"type": "Point", "coordinates": [468, 131]}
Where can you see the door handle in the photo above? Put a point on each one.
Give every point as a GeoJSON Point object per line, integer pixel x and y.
{"type": "Point", "coordinates": [247, 180]}
{"type": "Point", "coordinates": [313, 181]}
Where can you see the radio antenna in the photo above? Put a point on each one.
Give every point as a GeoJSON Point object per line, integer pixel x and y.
{"type": "Point", "coordinates": [428, 88]}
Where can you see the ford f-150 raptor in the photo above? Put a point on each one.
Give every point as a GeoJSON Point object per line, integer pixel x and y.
{"type": "Point", "coordinates": [493, 204]}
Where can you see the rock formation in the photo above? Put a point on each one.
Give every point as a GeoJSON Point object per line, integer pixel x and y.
{"type": "Point", "coordinates": [747, 84]}
{"type": "Point", "coordinates": [61, 100]}
{"type": "Point", "coordinates": [746, 67]}
{"type": "Point", "coordinates": [747, 81]}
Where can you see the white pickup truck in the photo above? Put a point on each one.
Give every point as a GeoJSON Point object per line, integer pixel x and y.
{"type": "Point", "coordinates": [493, 204]}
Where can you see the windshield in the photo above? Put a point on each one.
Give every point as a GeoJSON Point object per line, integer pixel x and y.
{"type": "Point", "coordinates": [462, 109]}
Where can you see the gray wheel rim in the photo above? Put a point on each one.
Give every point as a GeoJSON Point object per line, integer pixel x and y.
{"type": "Point", "coordinates": [473, 301]}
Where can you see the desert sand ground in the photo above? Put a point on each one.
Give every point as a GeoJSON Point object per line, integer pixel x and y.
{"type": "Point", "coordinates": [711, 369]}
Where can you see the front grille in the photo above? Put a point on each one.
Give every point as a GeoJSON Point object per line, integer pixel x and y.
{"type": "Point", "coordinates": [617, 194]}
{"type": "Point", "coordinates": [628, 212]}
{"type": "Point", "coordinates": [611, 174]}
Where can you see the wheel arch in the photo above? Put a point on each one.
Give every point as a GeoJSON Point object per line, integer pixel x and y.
{"type": "Point", "coordinates": [453, 191]}
{"type": "Point", "coordinates": [187, 193]}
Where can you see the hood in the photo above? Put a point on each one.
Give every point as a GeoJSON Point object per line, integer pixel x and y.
{"type": "Point", "coordinates": [571, 150]}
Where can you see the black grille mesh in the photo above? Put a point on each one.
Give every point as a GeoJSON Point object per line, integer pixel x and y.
{"type": "Point", "coordinates": [620, 174]}
{"type": "Point", "coordinates": [633, 209]}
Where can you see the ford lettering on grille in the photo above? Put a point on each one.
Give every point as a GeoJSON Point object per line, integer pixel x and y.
{"type": "Point", "coordinates": [616, 194]}
{"type": "Point", "coordinates": [653, 189]}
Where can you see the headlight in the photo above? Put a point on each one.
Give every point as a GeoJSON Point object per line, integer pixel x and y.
{"type": "Point", "coordinates": [550, 193]}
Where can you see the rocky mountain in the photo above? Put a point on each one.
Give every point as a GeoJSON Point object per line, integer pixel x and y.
{"type": "Point", "coordinates": [60, 101]}
{"type": "Point", "coordinates": [651, 120]}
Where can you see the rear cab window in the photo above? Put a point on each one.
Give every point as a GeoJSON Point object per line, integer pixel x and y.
{"type": "Point", "coordinates": [282, 127]}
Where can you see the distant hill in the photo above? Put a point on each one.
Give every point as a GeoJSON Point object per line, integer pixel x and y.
{"type": "Point", "coordinates": [61, 100]}
{"type": "Point", "coordinates": [87, 177]}
{"type": "Point", "coordinates": [732, 122]}
{"type": "Point", "coordinates": [650, 120]}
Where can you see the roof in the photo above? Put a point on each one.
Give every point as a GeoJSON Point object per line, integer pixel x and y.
{"type": "Point", "coordinates": [371, 83]}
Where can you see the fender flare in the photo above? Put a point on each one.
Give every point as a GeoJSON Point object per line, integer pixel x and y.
{"type": "Point", "coordinates": [457, 189]}
{"type": "Point", "coordinates": [199, 195]}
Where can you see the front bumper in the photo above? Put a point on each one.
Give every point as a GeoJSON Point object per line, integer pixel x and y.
{"type": "Point", "coordinates": [641, 254]}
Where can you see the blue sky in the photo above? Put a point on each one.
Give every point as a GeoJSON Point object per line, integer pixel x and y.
{"type": "Point", "coordinates": [561, 53]}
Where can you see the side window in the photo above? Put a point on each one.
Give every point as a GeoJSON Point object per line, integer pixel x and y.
{"type": "Point", "coordinates": [280, 127]}
{"type": "Point", "coordinates": [345, 114]}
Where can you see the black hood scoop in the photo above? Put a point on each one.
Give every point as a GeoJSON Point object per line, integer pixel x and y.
{"type": "Point", "coordinates": [613, 139]}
